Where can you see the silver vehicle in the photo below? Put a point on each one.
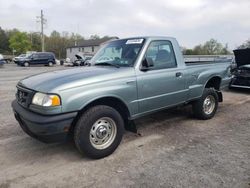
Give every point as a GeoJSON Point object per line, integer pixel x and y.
{"type": "Point", "coordinates": [95, 104]}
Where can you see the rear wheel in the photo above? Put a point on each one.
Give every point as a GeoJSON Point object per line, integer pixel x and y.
{"type": "Point", "coordinates": [206, 106]}
{"type": "Point", "coordinates": [99, 131]}
{"type": "Point", "coordinates": [50, 64]}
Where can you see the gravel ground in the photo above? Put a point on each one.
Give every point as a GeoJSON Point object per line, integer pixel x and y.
{"type": "Point", "coordinates": [174, 149]}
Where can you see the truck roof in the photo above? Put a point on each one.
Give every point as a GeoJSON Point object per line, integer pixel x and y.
{"type": "Point", "coordinates": [150, 37]}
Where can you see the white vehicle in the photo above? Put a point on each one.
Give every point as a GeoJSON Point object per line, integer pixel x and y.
{"type": "Point", "coordinates": [68, 62]}
{"type": "Point", "coordinates": [2, 61]}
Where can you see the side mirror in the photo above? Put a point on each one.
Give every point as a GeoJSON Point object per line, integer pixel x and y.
{"type": "Point", "coordinates": [147, 63]}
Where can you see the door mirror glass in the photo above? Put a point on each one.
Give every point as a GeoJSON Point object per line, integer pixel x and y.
{"type": "Point", "coordinates": [162, 54]}
{"type": "Point", "coordinates": [147, 63]}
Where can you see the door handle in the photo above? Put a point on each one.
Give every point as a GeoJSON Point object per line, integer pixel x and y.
{"type": "Point", "coordinates": [178, 74]}
{"type": "Point", "coordinates": [130, 82]}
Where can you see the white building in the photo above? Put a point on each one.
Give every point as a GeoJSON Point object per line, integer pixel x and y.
{"type": "Point", "coordinates": [86, 47]}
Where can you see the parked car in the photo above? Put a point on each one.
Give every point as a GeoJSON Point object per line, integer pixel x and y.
{"type": "Point", "coordinates": [68, 62]}
{"type": "Point", "coordinates": [81, 60]}
{"type": "Point", "coordinates": [2, 61]}
{"type": "Point", "coordinates": [21, 56]}
{"type": "Point", "coordinates": [141, 76]}
{"type": "Point", "coordinates": [37, 58]}
{"type": "Point", "coordinates": [241, 73]}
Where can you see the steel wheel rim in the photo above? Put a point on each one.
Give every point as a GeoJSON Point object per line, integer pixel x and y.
{"type": "Point", "coordinates": [209, 104]}
{"type": "Point", "coordinates": [102, 133]}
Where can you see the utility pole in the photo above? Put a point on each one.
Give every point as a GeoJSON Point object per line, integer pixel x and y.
{"type": "Point", "coordinates": [42, 21]}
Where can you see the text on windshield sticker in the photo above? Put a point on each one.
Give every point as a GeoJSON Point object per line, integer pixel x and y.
{"type": "Point", "coordinates": [134, 41]}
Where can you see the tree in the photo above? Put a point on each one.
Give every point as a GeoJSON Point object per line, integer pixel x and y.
{"type": "Point", "coordinates": [245, 45]}
{"type": "Point", "coordinates": [57, 43]}
{"type": "Point", "coordinates": [4, 41]}
{"type": "Point", "coordinates": [211, 47]}
{"type": "Point", "coordinates": [20, 42]}
{"type": "Point", "coordinates": [188, 52]}
{"type": "Point", "coordinates": [35, 39]}
{"type": "Point", "coordinates": [199, 50]}
{"type": "Point", "coordinates": [94, 37]}
{"type": "Point", "coordinates": [53, 43]}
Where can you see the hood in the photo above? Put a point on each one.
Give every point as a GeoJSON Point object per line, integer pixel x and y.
{"type": "Point", "coordinates": [242, 56]}
{"type": "Point", "coordinates": [20, 58]}
{"type": "Point", "coordinates": [78, 57]}
{"type": "Point", "coordinates": [64, 79]}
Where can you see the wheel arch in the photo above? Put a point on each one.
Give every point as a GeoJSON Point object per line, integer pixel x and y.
{"type": "Point", "coordinates": [111, 101]}
{"type": "Point", "coordinates": [214, 82]}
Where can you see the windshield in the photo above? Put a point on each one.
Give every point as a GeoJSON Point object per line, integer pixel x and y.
{"type": "Point", "coordinates": [122, 53]}
{"type": "Point", "coordinates": [22, 55]}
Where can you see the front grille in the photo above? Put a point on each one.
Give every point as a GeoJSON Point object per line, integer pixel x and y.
{"type": "Point", "coordinates": [24, 96]}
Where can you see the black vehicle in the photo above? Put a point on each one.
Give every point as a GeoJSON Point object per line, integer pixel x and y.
{"type": "Point", "coordinates": [241, 74]}
{"type": "Point", "coordinates": [38, 58]}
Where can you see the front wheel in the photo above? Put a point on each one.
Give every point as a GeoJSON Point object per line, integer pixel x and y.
{"type": "Point", "coordinates": [99, 131]}
{"type": "Point", "coordinates": [26, 64]}
{"type": "Point", "coordinates": [206, 106]}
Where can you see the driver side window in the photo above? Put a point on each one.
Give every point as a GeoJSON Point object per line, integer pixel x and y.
{"type": "Point", "coordinates": [162, 54]}
{"type": "Point", "coordinates": [35, 56]}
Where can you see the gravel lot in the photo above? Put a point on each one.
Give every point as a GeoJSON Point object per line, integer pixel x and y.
{"type": "Point", "coordinates": [174, 149]}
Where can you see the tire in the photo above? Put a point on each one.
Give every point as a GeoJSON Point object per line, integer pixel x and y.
{"type": "Point", "coordinates": [206, 107]}
{"type": "Point", "coordinates": [50, 64]}
{"type": "Point", "coordinates": [99, 131]}
{"type": "Point", "coordinates": [26, 64]}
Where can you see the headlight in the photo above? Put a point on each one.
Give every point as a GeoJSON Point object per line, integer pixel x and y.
{"type": "Point", "coordinates": [42, 99]}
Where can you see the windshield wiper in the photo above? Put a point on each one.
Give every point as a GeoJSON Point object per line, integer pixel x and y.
{"type": "Point", "coordinates": [108, 63]}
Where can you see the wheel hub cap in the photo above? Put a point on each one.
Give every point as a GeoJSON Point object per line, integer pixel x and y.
{"type": "Point", "coordinates": [103, 133]}
{"type": "Point", "coordinates": [209, 104]}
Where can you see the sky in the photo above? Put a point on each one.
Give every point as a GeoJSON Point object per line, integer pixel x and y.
{"type": "Point", "coordinates": [191, 22]}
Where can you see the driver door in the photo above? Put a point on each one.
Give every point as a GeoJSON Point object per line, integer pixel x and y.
{"type": "Point", "coordinates": [163, 85]}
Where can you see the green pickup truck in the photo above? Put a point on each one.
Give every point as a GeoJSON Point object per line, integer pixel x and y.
{"type": "Point", "coordinates": [126, 79]}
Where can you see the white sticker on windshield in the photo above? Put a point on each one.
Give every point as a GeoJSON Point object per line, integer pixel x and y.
{"type": "Point", "coordinates": [134, 41]}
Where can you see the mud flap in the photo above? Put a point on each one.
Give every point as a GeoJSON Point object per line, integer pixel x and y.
{"type": "Point", "coordinates": [220, 97]}
{"type": "Point", "coordinates": [130, 126]}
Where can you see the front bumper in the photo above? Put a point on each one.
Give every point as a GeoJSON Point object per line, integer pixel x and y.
{"type": "Point", "coordinates": [240, 82]}
{"type": "Point", "coordinates": [46, 128]}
